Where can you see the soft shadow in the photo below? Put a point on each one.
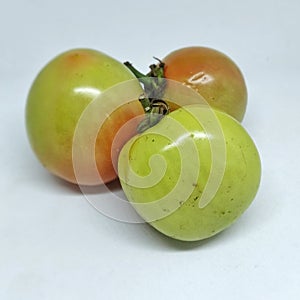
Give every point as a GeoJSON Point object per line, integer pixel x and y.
{"type": "Point", "coordinates": [113, 186]}
{"type": "Point", "coordinates": [65, 185]}
{"type": "Point", "coordinates": [172, 244]}
{"type": "Point", "coordinates": [147, 237]}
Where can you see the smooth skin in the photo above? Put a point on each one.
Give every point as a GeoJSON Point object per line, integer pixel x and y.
{"type": "Point", "coordinates": [57, 98]}
{"type": "Point", "coordinates": [153, 154]}
{"type": "Point", "coordinates": [212, 74]}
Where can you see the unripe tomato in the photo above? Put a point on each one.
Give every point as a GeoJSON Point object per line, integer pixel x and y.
{"type": "Point", "coordinates": [191, 175]}
{"type": "Point", "coordinates": [212, 74]}
{"type": "Point", "coordinates": [57, 98]}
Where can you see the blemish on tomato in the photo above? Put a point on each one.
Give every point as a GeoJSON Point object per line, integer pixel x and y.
{"type": "Point", "coordinates": [74, 59]}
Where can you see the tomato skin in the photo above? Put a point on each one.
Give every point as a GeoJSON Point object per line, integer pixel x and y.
{"type": "Point", "coordinates": [212, 74]}
{"type": "Point", "coordinates": [58, 97]}
{"type": "Point", "coordinates": [166, 170]}
{"type": "Point", "coordinates": [125, 118]}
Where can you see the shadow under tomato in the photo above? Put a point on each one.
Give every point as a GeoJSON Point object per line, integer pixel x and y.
{"type": "Point", "coordinates": [113, 186]}
{"type": "Point", "coordinates": [172, 244]}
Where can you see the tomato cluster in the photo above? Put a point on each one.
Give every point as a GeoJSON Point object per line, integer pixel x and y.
{"type": "Point", "coordinates": [172, 136]}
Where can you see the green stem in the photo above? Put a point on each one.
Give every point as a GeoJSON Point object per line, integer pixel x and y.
{"type": "Point", "coordinates": [136, 73]}
{"type": "Point", "coordinates": [146, 103]}
{"type": "Point", "coordinates": [151, 100]}
{"type": "Point", "coordinates": [157, 70]}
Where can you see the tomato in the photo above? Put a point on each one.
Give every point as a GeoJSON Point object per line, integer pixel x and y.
{"type": "Point", "coordinates": [59, 95]}
{"type": "Point", "coordinates": [191, 175]}
{"type": "Point", "coordinates": [212, 74]}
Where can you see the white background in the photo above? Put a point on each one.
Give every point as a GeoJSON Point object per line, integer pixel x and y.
{"type": "Point", "coordinates": [54, 245]}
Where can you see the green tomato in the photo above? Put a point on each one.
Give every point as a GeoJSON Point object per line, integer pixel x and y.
{"type": "Point", "coordinates": [57, 98]}
{"type": "Point", "coordinates": [191, 175]}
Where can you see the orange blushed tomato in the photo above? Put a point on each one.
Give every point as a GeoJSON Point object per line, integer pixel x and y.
{"type": "Point", "coordinates": [57, 98]}
{"type": "Point", "coordinates": [212, 74]}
